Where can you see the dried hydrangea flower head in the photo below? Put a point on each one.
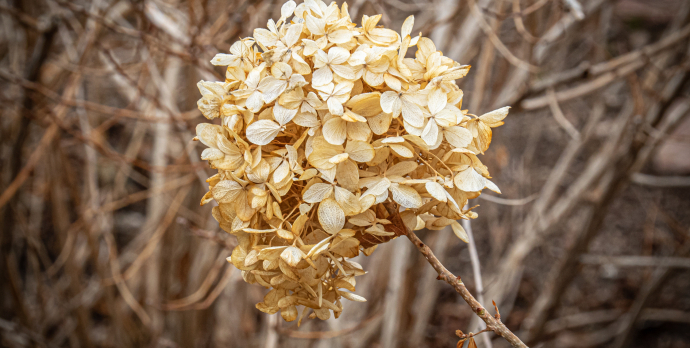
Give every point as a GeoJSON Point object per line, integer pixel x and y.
{"type": "Point", "coordinates": [331, 142]}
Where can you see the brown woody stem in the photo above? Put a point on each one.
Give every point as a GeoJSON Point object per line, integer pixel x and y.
{"type": "Point", "coordinates": [492, 323]}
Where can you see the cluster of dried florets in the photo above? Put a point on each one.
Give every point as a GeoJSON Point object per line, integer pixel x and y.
{"type": "Point", "coordinates": [332, 142]}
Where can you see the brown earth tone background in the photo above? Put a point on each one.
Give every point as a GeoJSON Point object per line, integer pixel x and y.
{"type": "Point", "coordinates": [103, 242]}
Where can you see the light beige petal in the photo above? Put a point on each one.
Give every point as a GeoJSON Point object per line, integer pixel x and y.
{"type": "Point", "coordinates": [322, 76]}
{"type": "Point", "coordinates": [402, 168]}
{"type": "Point", "coordinates": [358, 131]}
{"type": "Point", "coordinates": [437, 100]}
{"type": "Point", "coordinates": [390, 103]}
{"type": "Point", "coordinates": [495, 118]}
{"type": "Point", "coordinates": [317, 192]}
{"type": "Point", "coordinates": [436, 190]}
{"type": "Point", "coordinates": [459, 231]}
{"type": "Point", "coordinates": [292, 256]}
{"type": "Point", "coordinates": [412, 114]}
{"type": "Point", "coordinates": [331, 216]}
{"type": "Point", "coordinates": [262, 132]}
{"type": "Point", "coordinates": [352, 297]}
{"type": "Point", "coordinates": [335, 107]}
{"type": "Point", "coordinates": [293, 33]}
{"type": "Point", "coordinates": [360, 151]}
{"type": "Point", "coordinates": [281, 172]}
{"type": "Point", "coordinates": [344, 71]}
{"type": "Point", "coordinates": [338, 55]}
{"type": "Point", "coordinates": [335, 131]}
{"type": "Point", "coordinates": [377, 186]}
{"type": "Point", "coordinates": [340, 36]}
{"type": "Point", "coordinates": [401, 150]}
{"type": "Point", "coordinates": [446, 117]}
{"type": "Point", "coordinates": [315, 25]}
{"type": "Point", "coordinates": [306, 119]}
{"type": "Point", "coordinates": [226, 191]}
{"type": "Point", "coordinates": [430, 132]}
{"type": "Point", "coordinates": [347, 175]}
{"type": "Point", "coordinates": [406, 196]}
{"type": "Point", "coordinates": [265, 37]}
{"type": "Point", "coordinates": [458, 137]}
{"type": "Point", "coordinates": [283, 115]}
{"type": "Point", "coordinates": [349, 203]}
{"type": "Point", "coordinates": [469, 180]}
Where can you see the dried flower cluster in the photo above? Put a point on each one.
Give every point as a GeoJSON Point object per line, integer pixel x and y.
{"type": "Point", "coordinates": [331, 141]}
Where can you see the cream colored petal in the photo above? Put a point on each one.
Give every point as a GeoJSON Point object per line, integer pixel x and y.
{"type": "Point", "coordinates": [335, 107]}
{"type": "Point", "coordinates": [347, 175]}
{"type": "Point", "coordinates": [222, 59]}
{"type": "Point", "coordinates": [255, 102]}
{"type": "Point", "coordinates": [338, 55]}
{"type": "Point", "coordinates": [335, 131]}
{"type": "Point", "coordinates": [491, 186]}
{"type": "Point", "coordinates": [437, 100]}
{"type": "Point", "coordinates": [343, 89]}
{"type": "Point", "coordinates": [377, 185]}
{"type": "Point", "coordinates": [373, 79]}
{"type": "Point", "coordinates": [458, 137]}
{"type": "Point", "coordinates": [292, 34]}
{"type": "Point", "coordinates": [317, 192]}
{"type": "Point", "coordinates": [401, 150]}
{"type": "Point", "coordinates": [402, 168]}
{"type": "Point", "coordinates": [360, 151]}
{"type": "Point", "coordinates": [412, 114]}
{"type": "Point", "coordinates": [315, 25]}
{"type": "Point", "coordinates": [281, 172]}
{"type": "Point", "coordinates": [407, 26]}
{"type": "Point", "coordinates": [495, 118]}
{"type": "Point", "coordinates": [339, 158]}
{"type": "Point", "coordinates": [306, 119]}
{"type": "Point", "coordinates": [436, 190]}
{"type": "Point", "coordinates": [322, 76]}
{"type": "Point", "coordinates": [446, 118]}
{"type": "Point", "coordinates": [353, 297]}
{"type": "Point", "coordinates": [358, 131]}
{"type": "Point", "coordinates": [292, 256]}
{"type": "Point", "coordinates": [288, 9]}
{"type": "Point", "coordinates": [357, 58]}
{"type": "Point", "coordinates": [390, 103]}
{"type": "Point", "coordinates": [416, 131]}
{"type": "Point", "coordinates": [469, 180]}
{"type": "Point", "coordinates": [265, 37]}
{"type": "Point", "coordinates": [262, 132]}
{"type": "Point", "coordinates": [212, 154]}
{"type": "Point", "coordinates": [340, 36]}
{"type": "Point", "coordinates": [348, 202]}
{"type": "Point", "coordinates": [271, 88]}
{"type": "Point", "coordinates": [406, 196]}
{"type": "Point", "coordinates": [344, 71]}
{"type": "Point", "coordinates": [380, 123]}
{"type": "Point", "coordinates": [226, 191]}
{"type": "Point", "coordinates": [331, 216]}
{"type": "Point", "coordinates": [283, 115]}
{"type": "Point", "coordinates": [430, 132]}
{"type": "Point", "coordinates": [459, 231]}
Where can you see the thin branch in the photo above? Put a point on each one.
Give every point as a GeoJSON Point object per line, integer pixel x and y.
{"type": "Point", "coordinates": [636, 261]}
{"type": "Point", "coordinates": [476, 270]}
{"type": "Point", "coordinates": [560, 117]}
{"type": "Point", "coordinates": [660, 181]}
{"type": "Point", "coordinates": [444, 274]}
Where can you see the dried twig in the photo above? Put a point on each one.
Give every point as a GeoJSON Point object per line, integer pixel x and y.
{"type": "Point", "coordinates": [492, 323]}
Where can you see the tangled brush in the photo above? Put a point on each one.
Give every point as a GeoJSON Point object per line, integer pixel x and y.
{"type": "Point", "coordinates": [331, 142]}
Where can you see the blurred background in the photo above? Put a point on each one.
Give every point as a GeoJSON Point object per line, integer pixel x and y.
{"type": "Point", "coordinates": [104, 244]}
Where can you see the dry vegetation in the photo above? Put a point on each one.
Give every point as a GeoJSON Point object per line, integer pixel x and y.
{"type": "Point", "coordinates": [103, 241]}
